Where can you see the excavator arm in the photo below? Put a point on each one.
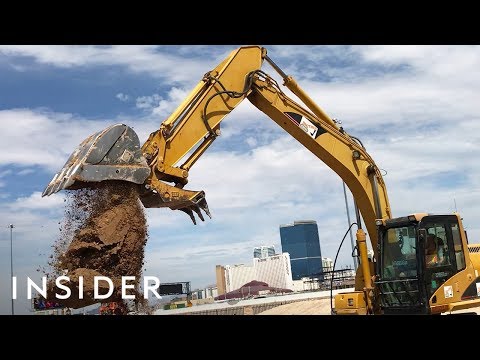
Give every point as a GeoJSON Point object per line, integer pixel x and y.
{"type": "Point", "coordinates": [195, 124]}
{"type": "Point", "coordinates": [192, 128]}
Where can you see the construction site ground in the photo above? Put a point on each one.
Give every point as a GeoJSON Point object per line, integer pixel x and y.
{"type": "Point", "coordinates": [306, 307]}
{"type": "Point", "coordinates": [258, 305]}
{"type": "Point", "coordinates": [308, 303]}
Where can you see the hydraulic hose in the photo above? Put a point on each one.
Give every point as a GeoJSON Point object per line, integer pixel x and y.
{"type": "Point", "coordinates": [333, 270]}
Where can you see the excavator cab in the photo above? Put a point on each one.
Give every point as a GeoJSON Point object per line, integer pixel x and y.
{"type": "Point", "coordinates": [424, 265]}
{"type": "Point", "coordinates": [399, 270]}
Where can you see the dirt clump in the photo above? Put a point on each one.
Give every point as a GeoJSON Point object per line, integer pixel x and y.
{"type": "Point", "coordinates": [103, 233]}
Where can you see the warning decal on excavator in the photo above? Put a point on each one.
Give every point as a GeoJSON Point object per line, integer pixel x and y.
{"type": "Point", "coordinates": [308, 127]}
{"type": "Point", "coordinates": [448, 291]}
{"type": "Point", "coordinates": [305, 124]}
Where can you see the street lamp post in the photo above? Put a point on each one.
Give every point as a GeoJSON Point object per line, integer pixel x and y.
{"type": "Point", "coordinates": [11, 263]}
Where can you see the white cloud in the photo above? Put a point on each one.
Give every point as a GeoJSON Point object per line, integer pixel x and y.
{"type": "Point", "coordinates": [3, 183]}
{"type": "Point", "coordinates": [46, 138]}
{"type": "Point", "coordinates": [159, 62]}
{"type": "Point", "coordinates": [122, 97]}
{"type": "Point", "coordinates": [30, 213]}
{"type": "Point", "coordinates": [36, 202]}
{"type": "Point", "coordinates": [158, 107]}
{"type": "Point", "coordinates": [18, 68]}
{"type": "Point", "coordinates": [166, 106]}
{"type": "Point", "coordinates": [5, 173]}
{"type": "Point", "coordinates": [262, 176]}
{"type": "Point", "coordinates": [251, 141]}
{"type": "Point", "coordinates": [148, 102]}
{"type": "Point", "coordinates": [25, 172]}
{"type": "Point", "coordinates": [451, 62]}
{"type": "Point", "coordinates": [42, 137]}
{"type": "Point", "coordinates": [36, 228]}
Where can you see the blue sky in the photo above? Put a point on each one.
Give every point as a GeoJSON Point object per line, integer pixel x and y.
{"type": "Point", "coordinates": [415, 108]}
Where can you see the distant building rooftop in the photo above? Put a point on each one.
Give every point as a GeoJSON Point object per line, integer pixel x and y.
{"type": "Point", "coordinates": [299, 222]}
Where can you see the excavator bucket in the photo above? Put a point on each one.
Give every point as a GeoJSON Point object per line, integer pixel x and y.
{"type": "Point", "coordinates": [115, 154]}
{"type": "Point", "coordinates": [111, 154]}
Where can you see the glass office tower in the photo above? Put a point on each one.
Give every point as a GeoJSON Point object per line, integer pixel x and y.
{"type": "Point", "coordinates": [301, 241]}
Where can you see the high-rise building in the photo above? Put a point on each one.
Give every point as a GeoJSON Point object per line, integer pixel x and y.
{"type": "Point", "coordinates": [274, 270]}
{"type": "Point", "coordinates": [261, 252]}
{"type": "Point", "coordinates": [301, 241]}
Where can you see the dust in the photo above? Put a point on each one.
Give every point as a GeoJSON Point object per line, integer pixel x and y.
{"type": "Point", "coordinates": [103, 233]}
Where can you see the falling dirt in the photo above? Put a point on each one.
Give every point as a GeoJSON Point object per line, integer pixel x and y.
{"type": "Point", "coordinates": [103, 233]}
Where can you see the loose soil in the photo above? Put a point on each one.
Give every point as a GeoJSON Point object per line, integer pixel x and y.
{"type": "Point", "coordinates": [103, 233]}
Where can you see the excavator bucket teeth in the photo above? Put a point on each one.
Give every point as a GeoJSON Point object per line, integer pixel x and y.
{"type": "Point", "coordinates": [202, 204]}
{"type": "Point", "coordinates": [160, 194]}
{"type": "Point", "coordinates": [196, 208]}
{"type": "Point", "coordinates": [190, 213]}
{"type": "Point", "coordinates": [111, 154]}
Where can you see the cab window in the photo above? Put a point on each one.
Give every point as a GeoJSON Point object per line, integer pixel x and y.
{"type": "Point", "coordinates": [457, 245]}
{"type": "Point", "coordinates": [436, 246]}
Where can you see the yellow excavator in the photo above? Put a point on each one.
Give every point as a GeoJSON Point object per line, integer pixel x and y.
{"type": "Point", "coordinates": [398, 279]}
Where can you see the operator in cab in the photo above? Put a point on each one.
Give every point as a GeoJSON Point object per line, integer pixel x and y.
{"type": "Point", "coordinates": [434, 251]}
